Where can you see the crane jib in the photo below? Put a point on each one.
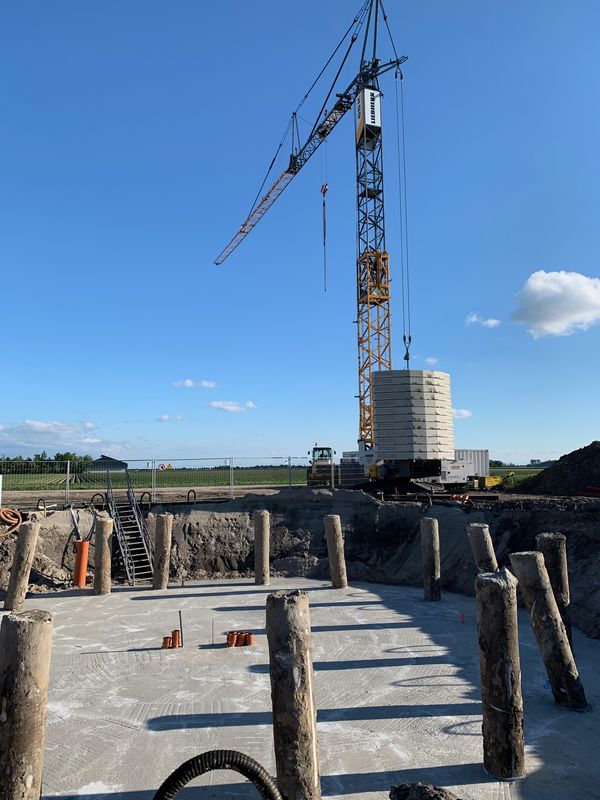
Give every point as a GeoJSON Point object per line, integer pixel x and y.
{"type": "Point", "coordinates": [298, 160]}
{"type": "Point", "coordinates": [343, 105]}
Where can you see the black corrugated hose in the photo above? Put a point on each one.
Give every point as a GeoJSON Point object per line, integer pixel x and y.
{"type": "Point", "coordinates": [219, 759]}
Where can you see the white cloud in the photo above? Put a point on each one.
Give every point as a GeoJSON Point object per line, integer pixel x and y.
{"type": "Point", "coordinates": [33, 435]}
{"type": "Point", "coordinates": [163, 418]}
{"type": "Point", "coordinates": [227, 405]}
{"type": "Point", "coordinates": [188, 383]}
{"type": "Point", "coordinates": [47, 426]}
{"type": "Point", "coordinates": [476, 319]}
{"type": "Point", "coordinates": [232, 406]}
{"type": "Point", "coordinates": [558, 303]}
{"type": "Point", "coordinates": [461, 413]}
{"type": "Point", "coordinates": [431, 361]}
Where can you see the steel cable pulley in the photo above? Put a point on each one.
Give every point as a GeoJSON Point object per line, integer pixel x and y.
{"type": "Point", "coordinates": [219, 759]}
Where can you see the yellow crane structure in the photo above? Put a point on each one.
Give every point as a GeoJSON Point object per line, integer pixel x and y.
{"type": "Point", "coordinates": [372, 263]}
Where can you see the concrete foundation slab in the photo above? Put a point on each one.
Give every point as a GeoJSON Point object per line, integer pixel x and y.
{"type": "Point", "coordinates": [396, 682]}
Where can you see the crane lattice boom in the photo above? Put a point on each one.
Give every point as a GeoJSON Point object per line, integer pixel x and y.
{"type": "Point", "coordinates": [297, 161]}
{"type": "Point", "coordinates": [372, 264]}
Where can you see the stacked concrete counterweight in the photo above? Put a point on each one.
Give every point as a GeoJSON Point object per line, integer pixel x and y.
{"type": "Point", "coordinates": [412, 415]}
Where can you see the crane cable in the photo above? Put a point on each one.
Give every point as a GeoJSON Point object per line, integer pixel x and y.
{"type": "Point", "coordinates": [356, 24]}
{"type": "Point", "coordinates": [324, 189]}
{"type": "Point", "coordinates": [401, 153]}
{"type": "Point", "coordinates": [404, 261]}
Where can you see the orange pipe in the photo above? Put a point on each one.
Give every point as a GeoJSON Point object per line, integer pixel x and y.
{"type": "Point", "coordinates": [82, 551]}
{"type": "Point", "coordinates": [231, 637]}
{"type": "Point", "coordinates": [250, 638]}
{"type": "Point", "coordinates": [166, 645]}
{"type": "Point", "coordinates": [175, 638]}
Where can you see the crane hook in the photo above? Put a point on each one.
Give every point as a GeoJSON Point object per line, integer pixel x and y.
{"type": "Point", "coordinates": [407, 343]}
{"type": "Point", "coordinates": [324, 189]}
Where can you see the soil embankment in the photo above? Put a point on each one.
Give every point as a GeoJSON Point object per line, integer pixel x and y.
{"type": "Point", "coordinates": [573, 474]}
{"type": "Point", "coordinates": [381, 541]}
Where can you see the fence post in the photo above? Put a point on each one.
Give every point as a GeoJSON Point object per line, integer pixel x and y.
{"type": "Point", "coordinates": [231, 491]}
{"type": "Point", "coordinates": [289, 473]}
{"type": "Point", "coordinates": [153, 480]}
{"type": "Point", "coordinates": [67, 483]}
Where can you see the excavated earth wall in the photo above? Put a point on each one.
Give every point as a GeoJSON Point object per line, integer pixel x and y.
{"type": "Point", "coordinates": [381, 541]}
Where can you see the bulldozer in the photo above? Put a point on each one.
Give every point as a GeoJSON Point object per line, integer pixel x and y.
{"type": "Point", "coordinates": [322, 470]}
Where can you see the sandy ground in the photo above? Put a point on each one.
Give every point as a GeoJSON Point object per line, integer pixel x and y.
{"type": "Point", "coordinates": [396, 683]}
{"type": "Point", "coordinates": [173, 494]}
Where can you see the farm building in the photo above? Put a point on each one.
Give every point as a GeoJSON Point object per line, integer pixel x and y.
{"type": "Point", "coordinates": [106, 462]}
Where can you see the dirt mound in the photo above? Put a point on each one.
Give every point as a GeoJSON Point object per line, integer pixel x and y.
{"type": "Point", "coordinates": [570, 475]}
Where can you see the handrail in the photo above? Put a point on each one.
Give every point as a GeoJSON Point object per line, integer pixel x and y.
{"type": "Point", "coordinates": [125, 551]}
{"type": "Point", "coordinates": [101, 496]}
{"type": "Point", "coordinates": [147, 541]}
{"type": "Point", "coordinates": [141, 500]}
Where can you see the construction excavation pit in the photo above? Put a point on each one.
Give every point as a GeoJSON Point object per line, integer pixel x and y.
{"type": "Point", "coordinates": [410, 618]}
{"type": "Point", "coordinates": [332, 640]}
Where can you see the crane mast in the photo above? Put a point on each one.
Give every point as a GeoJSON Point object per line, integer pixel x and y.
{"type": "Point", "coordinates": [372, 263]}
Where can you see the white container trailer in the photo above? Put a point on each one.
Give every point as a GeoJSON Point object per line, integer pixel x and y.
{"type": "Point", "coordinates": [456, 471]}
{"type": "Point", "coordinates": [479, 458]}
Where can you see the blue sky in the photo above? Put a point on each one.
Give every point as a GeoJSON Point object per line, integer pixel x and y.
{"type": "Point", "coordinates": [134, 136]}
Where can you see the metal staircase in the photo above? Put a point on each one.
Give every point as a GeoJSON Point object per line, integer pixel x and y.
{"type": "Point", "coordinates": [131, 532]}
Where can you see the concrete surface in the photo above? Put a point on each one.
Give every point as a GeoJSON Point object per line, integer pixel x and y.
{"type": "Point", "coordinates": [397, 688]}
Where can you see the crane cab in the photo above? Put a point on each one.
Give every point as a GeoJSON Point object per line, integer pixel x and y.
{"type": "Point", "coordinates": [321, 455]}
{"type": "Point", "coordinates": [367, 114]}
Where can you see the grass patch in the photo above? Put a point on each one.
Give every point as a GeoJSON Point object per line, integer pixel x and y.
{"type": "Point", "coordinates": [168, 478]}
{"type": "Point", "coordinates": [521, 474]}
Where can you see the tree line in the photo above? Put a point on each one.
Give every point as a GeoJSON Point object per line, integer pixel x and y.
{"type": "Point", "coordinates": [45, 464]}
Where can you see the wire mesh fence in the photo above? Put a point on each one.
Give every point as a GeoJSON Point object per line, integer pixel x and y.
{"type": "Point", "coordinates": [160, 478]}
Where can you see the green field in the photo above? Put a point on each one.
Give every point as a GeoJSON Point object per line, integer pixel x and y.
{"type": "Point", "coordinates": [142, 479]}
{"type": "Point", "coordinates": [521, 473]}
